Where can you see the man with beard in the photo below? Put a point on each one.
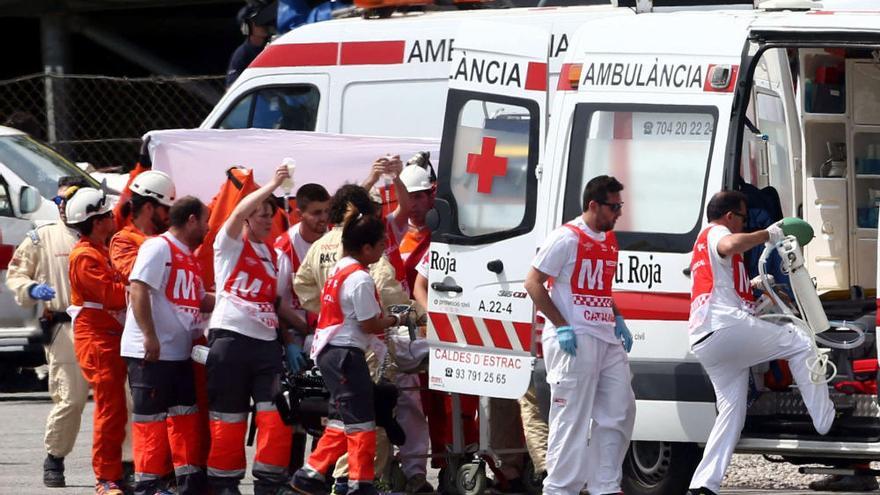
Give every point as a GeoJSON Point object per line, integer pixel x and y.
{"type": "Point", "coordinates": [587, 366]}
{"type": "Point", "coordinates": [313, 206]}
{"type": "Point", "coordinates": [152, 194]}
{"type": "Point", "coordinates": [167, 299]}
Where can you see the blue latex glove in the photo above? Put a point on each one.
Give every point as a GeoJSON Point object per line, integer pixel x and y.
{"type": "Point", "coordinates": [622, 333]}
{"type": "Point", "coordinates": [567, 341]}
{"type": "Point", "coordinates": [41, 292]}
{"type": "Point", "coordinates": [295, 358]}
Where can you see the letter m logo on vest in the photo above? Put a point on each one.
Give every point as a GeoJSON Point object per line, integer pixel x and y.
{"type": "Point", "coordinates": [184, 286]}
{"type": "Point", "coordinates": [241, 288]}
{"type": "Point", "coordinates": [591, 277]}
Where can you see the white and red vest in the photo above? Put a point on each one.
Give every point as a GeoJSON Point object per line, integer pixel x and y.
{"type": "Point", "coordinates": [251, 287]}
{"type": "Point", "coordinates": [331, 319]}
{"type": "Point", "coordinates": [703, 284]}
{"type": "Point", "coordinates": [392, 250]}
{"type": "Point", "coordinates": [185, 286]}
{"type": "Point", "coordinates": [592, 279]}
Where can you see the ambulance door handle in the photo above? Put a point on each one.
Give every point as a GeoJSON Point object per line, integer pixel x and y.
{"type": "Point", "coordinates": [495, 266]}
{"type": "Point", "coordinates": [687, 272]}
{"type": "Point", "coordinates": [441, 287]}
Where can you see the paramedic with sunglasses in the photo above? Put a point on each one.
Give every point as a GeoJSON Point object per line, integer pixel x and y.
{"type": "Point", "coordinates": [728, 339]}
{"type": "Point", "coordinates": [585, 343]}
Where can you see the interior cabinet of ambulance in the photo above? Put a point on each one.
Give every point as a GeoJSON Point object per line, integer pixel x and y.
{"type": "Point", "coordinates": [840, 102]}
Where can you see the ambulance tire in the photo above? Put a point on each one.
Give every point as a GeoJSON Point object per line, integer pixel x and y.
{"type": "Point", "coordinates": [657, 468]}
{"type": "Point", "coordinates": [471, 479]}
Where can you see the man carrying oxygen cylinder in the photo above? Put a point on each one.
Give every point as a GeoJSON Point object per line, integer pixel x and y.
{"type": "Point", "coordinates": [727, 337]}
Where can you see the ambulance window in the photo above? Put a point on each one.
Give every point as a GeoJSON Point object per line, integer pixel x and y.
{"type": "Point", "coordinates": [771, 121]}
{"type": "Point", "coordinates": [490, 167]}
{"type": "Point", "coordinates": [661, 155]}
{"type": "Point", "coordinates": [294, 108]}
{"type": "Point", "coordinates": [5, 203]}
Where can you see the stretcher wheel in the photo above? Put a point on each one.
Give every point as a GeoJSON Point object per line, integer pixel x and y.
{"type": "Point", "coordinates": [471, 479]}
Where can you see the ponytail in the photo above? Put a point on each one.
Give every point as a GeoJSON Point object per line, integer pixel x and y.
{"type": "Point", "coordinates": [359, 230]}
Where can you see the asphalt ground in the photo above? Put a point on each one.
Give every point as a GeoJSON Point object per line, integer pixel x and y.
{"type": "Point", "coordinates": [22, 420]}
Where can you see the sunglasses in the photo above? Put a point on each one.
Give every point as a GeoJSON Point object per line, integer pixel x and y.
{"type": "Point", "coordinates": [58, 200]}
{"type": "Point", "coordinates": [615, 207]}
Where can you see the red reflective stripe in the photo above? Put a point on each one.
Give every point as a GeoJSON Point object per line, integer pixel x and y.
{"type": "Point", "coordinates": [150, 447]}
{"type": "Point", "coordinates": [648, 306]}
{"type": "Point", "coordinates": [498, 334]}
{"type": "Point", "coordinates": [185, 439]}
{"type": "Point", "coordinates": [372, 52]}
{"type": "Point", "coordinates": [273, 439]}
{"type": "Point", "coordinates": [297, 54]}
{"type": "Point", "coordinates": [227, 445]}
{"type": "Point", "coordinates": [524, 334]}
{"type": "Point", "coordinates": [442, 327]}
{"type": "Point", "coordinates": [707, 86]}
{"type": "Point", "coordinates": [536, 76]}
{"type": "Point", "coordinates": [469, 329]}
{"type": "Point", "coordinates": [6, 252]}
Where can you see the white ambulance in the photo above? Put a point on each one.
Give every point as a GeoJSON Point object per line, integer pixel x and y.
{"type": "Point", "coordinates": [783, 105]}
{"type": "Point", "coordinates": [376, 77]}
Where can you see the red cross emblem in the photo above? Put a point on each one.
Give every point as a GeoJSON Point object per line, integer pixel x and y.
{"type": "Point", "coordinates": [486, 165]}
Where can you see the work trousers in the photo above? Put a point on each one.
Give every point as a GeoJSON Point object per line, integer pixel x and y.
{"type": "Point", "coordinates": [505, 433]}
{"type": "Point", "coordinates": [534, 428]}
{"type": "Point", "coordinates": [411, 416]}
{"type": "Point", "coordinates": [104, 370]}
{"type": "Point", "coordinates": [240, 368]}
{"type": "Point", "coordinates": [69, 391]}
{"type": "Point", "coordinates": [352, 416]}
{"type": "Point", "coordinates": [727, 356]}
{"type": "Point", "coordinates": [165, 424]}
{"type": "Point", "coordinates": [594, 384]}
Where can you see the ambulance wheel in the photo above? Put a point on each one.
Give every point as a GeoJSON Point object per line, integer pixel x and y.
{"type": "Point", "coordinates": [655, 468]}
{"type": "Point", "coordinates": [471, 479]}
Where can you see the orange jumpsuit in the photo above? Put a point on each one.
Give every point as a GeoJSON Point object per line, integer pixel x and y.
{"type": "Point", "coordinates": [98, 292]}
{"type": "Point", "coordinates": [124, 246]}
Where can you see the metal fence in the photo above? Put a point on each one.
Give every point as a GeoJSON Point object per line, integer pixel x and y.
{"type": "Point", "coordinates": [101, 119]}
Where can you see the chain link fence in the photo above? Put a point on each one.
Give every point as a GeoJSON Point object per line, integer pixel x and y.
{"type": "Point", "coordinates": [99, 119]}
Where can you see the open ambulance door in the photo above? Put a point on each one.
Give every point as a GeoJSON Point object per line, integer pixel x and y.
{"type": "Point", "coordinates": [480, 317]}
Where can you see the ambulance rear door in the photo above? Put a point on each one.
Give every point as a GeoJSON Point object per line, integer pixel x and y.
{"type": "Point", "coordinates": [480, 317]}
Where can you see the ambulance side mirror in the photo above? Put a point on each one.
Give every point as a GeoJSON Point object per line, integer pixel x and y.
{"type": "Point", "coordinates": [29, 200]}
{"type": "Point", "coordinates": [439, 219]}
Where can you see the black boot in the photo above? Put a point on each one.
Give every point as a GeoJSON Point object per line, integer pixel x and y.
{"type": "Point", "coordinates": [53, 472]}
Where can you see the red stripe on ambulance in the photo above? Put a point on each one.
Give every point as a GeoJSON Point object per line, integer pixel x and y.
{"type": "Point", "coordinates": [468, 329]}
{"type": "Point", "coordinates": [372, 52]}
{"type": "Point", "coordinates": [653, 306]}
{"type": "Point", "coordinates": [498, 333]}
{"type": "Point", "coordinates": [536, 76]}
{"type": "Point", "coordinates": [297, 54]}
{"type": "Point", "coordinates": [442, 328]}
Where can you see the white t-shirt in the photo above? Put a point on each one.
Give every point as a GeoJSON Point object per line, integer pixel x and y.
{"type": "Point", "coordinates": [229, 314]}
{"type": "Point", "coordinates": [725, 307]}
{"type": "Point", "coordinates": [357, 298]}
{"type": "Point", "coordinates": [423, 267]}
{"type": "Point", "coordinates": [556, 258]}
{"type": "Point", "coordinates": [285, 268]}
{"type": "Point", "coordinates": [153, 267]}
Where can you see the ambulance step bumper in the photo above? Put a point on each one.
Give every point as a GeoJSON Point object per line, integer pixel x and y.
{"type": "Point", "coordinates": [792, 404]}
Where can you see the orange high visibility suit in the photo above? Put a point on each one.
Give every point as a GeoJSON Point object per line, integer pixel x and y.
{"type": "Point", "coordinates": [97, 305]}
{"type": "Point", "coordinates": [124, 246]}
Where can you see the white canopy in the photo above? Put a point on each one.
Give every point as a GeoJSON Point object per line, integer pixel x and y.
{"type": "Point", "coordinates": [197, 159]}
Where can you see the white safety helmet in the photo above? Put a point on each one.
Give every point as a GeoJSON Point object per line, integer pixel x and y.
{"type": "Point", "coordinates": [415, 178]}
{"type": "Point", "coordinates": [154, 184]}
{"type": "Point", "coordinates": [86, 203]}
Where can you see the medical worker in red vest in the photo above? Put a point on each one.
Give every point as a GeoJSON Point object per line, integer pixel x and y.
{"type": "Point", "coordinates": [245, 357]}
{"type": "Point", "coordinates": [313, 206]}
{"type": "Point", "coordinates": [728, 339]}
{"type": "Point", "coordinates": [350, 316]}
{"type": "Point", "coordinates": [167, 298]}
{"type": "Point", "coordinates": [585, 343]}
